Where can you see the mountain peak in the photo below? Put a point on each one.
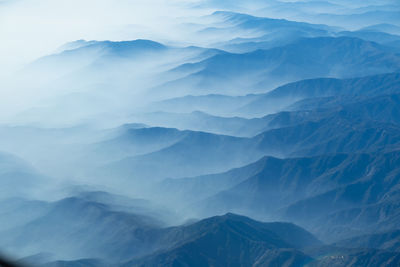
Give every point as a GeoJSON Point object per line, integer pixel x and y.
{"type": "Point", "coordinates": [142, 44]}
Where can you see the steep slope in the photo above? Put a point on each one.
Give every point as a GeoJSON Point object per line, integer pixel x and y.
{"type": "Point", "coordinates": [386, 240]}
{"type": "Point", "coordinates": [200, 121]}
{"type": "Point", "coordinates": [83, 76]}
{"type": "Point", "coordinates": [281, 181]}
{"type": "Point", "coordinates": [250, 33]}
{"type": "Point", "coordinates": [384, 27]}
{"type": "Point", "coordinates": [348, 124]}
{"type": "Point", "coordinates": [318, 138]}
{"type": "Point", "coordinates": [220, 241]}
{"type": "Point", "coordinates": [197, 153]}
{"type": "Point", "coordinates": [283, 96]}
{"type": "Point", "coordinates": [346, 191]}
{"type": "Point", "coordinates": [232, 240]}
{"type": "Point", "coordinates": [86, 229]}
{"type": "Point", "coordinates": [335, 196]}
{"type": "Point", "coordinates": [292, 121]}
{"type": "Point", "coordinates": [361, 19]}
{"type": "Point", "coordinates": [375, 36]}
{"type": "Point", "coordinates": [304, 59]}
{"type": "Point", "coordinates": [77, 263]}
{"type": "Point", "coordinates": [18, 178]}
{"type": "Point", "coordinates": [19, 211]}
{"type": "Point", "coordinates": [193, 189]}
{"type": "Point", "coordinates": [131, 141]}
{"type": "Point", "coordinates": [366, 125]}
{"type": "Point", "coordinates": [353, 258]}
{"type": "Point", "coordinates": [81, 54]}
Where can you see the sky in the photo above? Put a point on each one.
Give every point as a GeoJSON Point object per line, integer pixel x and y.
{"type": "Point", "coordinates": [33, 28]}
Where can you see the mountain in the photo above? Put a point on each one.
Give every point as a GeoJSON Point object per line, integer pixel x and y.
{"type": "Point", "coordinates": [252, 33]}
{"type": "Point", "coordinates": [344, 191]}
{"type": "Point", "coordinates": [280, 98]}
{"type": "Point", "coordinates": [77, 263]}
{"type": "Point", "coordinates": [356, 257]}
{"type": "Point", "coordinates": [226, 4]}
{"type": "Point", "coordinates": [359, 20]}
{"type": "Point", "coordinates": [82, 54]}
{"type": "Point", "coordinates": [76, 49]}
{"type": "Point", "coordinates": [19, 211]}
{"type": "Point", "coordinates": [214, 238]}
{"type": "Point", "coordinates": [232, 240]}
{"type": "Point", "coordinates": [248, 21]}
{"type": "Point", "coordinates": [246, 241]}
{"type": "Point", "coordinates": [18, 178]}
{"type": "Point", "coordinates": [200, 121]}
{"type": "Point", "coordinates": [250, 243]}
{"type": "Point", "coordinates": [342, 166]}
{"type": "Point", "coordinates": [194, 189]}
{"type": "Point", "coordinates": [316, 138]}
{"type": "Point", "coordinates": [363, 121]}
{"type": "Point", "coordinates": [121, 203]}
{"type": "Point", "coordinates": [73, 86]}
{"type": "Point", "coordinates": [60, 148]}
{"type": "Point", "coordinates": [385, 240]}
{"type": "Point", "coordinates": [141, 153]}
{"type": "Point", "coordinates": [357, 108]}
{"type": "Point", "coordinates": [278, 182]}
{"type": "Point", "coordinates": [86, 227]}
{"type": "Point", "coordinates": [130, 141]}
{"type": "Point", "coordinates": [312, 90]}
{"type": "Point", "coordinates": [221, 105]}
{"type": "Point", "coordinates": [304, 59]}
{"type": "Point", "coordinates": [384, 27]}
{"type": "Point", "coordinates": [374, 36]}
{"type": "Point", "coordinates": [250, 27]}
{"type": "Point", "coordinates": [197, 153]}
{"type": "Point", "coordinates": [295, 9]}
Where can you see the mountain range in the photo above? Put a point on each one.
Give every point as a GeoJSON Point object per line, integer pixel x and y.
{"type": "Point", "coordinates": [243, 133]}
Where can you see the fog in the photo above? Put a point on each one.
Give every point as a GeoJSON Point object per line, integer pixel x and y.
{"type": "Point", "coordinates": [142, 114]}
{"type": "Point", "coordinates": [34, 28]}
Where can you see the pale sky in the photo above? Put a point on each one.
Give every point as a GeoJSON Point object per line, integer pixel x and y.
{"type": "Point", "coordinates": [33, 28]}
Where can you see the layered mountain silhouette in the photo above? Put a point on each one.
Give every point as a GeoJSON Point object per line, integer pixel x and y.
{"type": "Point", "coordinates": [18, 177]}
{"type": "Point", "coordinates": [249, 242]}
{"type": "Point", "coordinates": [208, 242]}
{"type": "Point", "coordinates": [72, 220]}
{"type": "Point", "coordinates": [244, 133]}
{"type": "Point", "coordinates": [355, 141]}
{"type": "Point", "coordinates": [303, 59]}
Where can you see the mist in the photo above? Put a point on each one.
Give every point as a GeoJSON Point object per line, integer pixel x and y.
{"type": "Point", "coordinates": [125, 124]}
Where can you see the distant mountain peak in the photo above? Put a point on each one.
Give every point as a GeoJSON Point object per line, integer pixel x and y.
{"type": "Point", "coordinates": [115, 45]}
